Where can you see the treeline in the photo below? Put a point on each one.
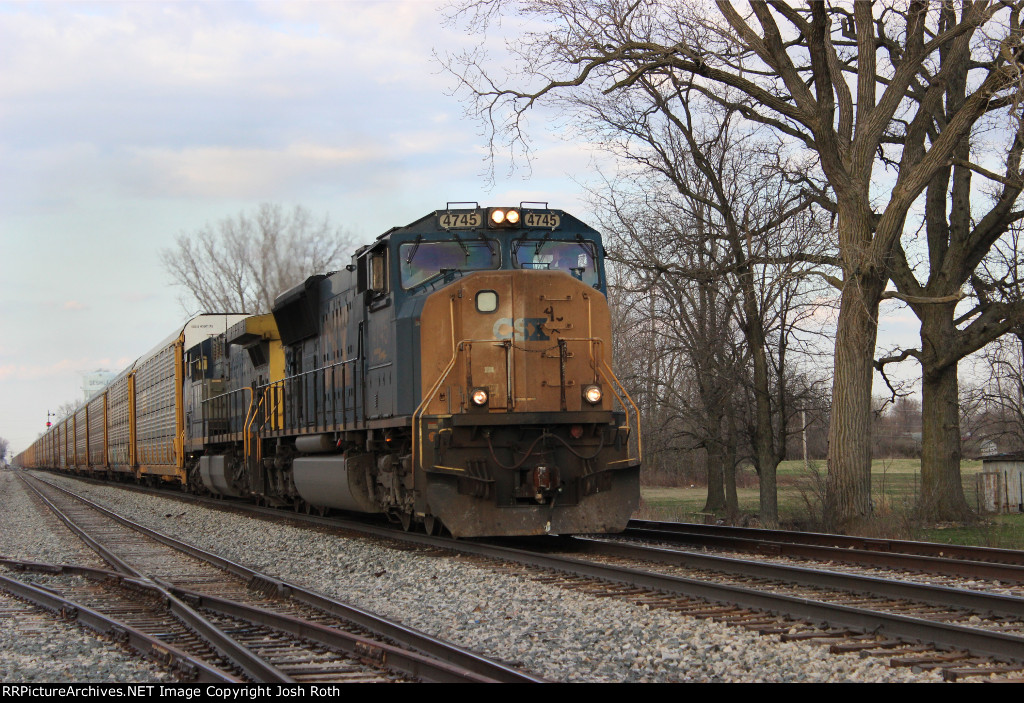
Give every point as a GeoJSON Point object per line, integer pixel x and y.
{"type": "Point", "coordinates": [764, 150]}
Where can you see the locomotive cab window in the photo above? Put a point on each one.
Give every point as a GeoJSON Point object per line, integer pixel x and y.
{"type": "Point", "coordinates": [438, 263]}
{"type": "Point", "coordinates": [578, 258]}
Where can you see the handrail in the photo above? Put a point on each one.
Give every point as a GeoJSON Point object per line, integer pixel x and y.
{"type": "Point", "coordinates": [252, 421]}
{"type": "Point", "coordinates": [207, 417]}
{"type": "Point", "coordinates": [273, 410]}
{"type": "Point", "coordinates": [603, 370]}
{"type": "Point", "coordinates": [273, 396]}
{"type": "Point", "coordinates": [421, 408]}
{"type": "Point", "coordinates": [319, 368]}
{"type": "Point", "coordinates": [283, 384]}
{"type": "Point", "coordinates": [614, 381]}
{"type": "Point", "coordinates": [246, 441]}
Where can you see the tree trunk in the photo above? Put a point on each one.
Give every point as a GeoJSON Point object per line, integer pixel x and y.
{"type": "Point", "coordinates": [848, 490]}
{"type": "Point", "coordinates": [942, 493]}
{"type": "Point", "coordinates": [769, 497]}
{"type": "Point", "coordinates": [766, 453]}
{"type": "Point", "coordinates": [716, 485]}
{"type": "Point", "coordinates": [732, 503]}
{"type": "Point", "coordinates": [766, 456]}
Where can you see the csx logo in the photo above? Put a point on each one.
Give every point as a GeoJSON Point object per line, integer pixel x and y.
{"type": "Point", "coordinates": [522, 328]}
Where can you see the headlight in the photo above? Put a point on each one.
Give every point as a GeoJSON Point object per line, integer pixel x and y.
{"type": "Point", "coordinates": [592, 394]}
{"type": "Point", "coordinates": [503, 217]}
{"type": "Point", "coordinates": [479, 397]}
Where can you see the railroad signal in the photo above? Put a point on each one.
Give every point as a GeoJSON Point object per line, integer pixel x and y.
{"type": "Point", "coordinates": [48, 416]}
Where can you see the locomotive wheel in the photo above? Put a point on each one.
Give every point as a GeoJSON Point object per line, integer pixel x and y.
{"type": "Point", "coordinates": [406, 520]}
{"type": "Point", "coordinates": [432, 525]}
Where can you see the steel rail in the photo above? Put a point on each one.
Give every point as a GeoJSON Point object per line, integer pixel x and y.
{"type": "Point", "coordinates": [824, 539]}
{"type": "Point", "coordinates": [850, 555]}
{"type": "Point", "coordinates": [998, 645]}
{"type": "Point", "coordinates": [252, 664]}
{"type": "Point", "coordinates": [408, 636]}
{"type": "Point", "coordinates": [191, 668]}
{"type": "Point", "coordinates": [382, 654]}
{"type": "Point", "coordinates": [1002, 646]}
{"type": "Point", "coordinates": [409, 661]}
{"type": "Point", "coordinates": [978, 601]}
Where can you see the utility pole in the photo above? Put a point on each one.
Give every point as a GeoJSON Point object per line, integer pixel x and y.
{"type": "Point", "coordinates": [803, 421]}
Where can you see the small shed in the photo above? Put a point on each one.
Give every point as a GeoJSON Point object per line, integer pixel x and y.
{"type": "Point", "coordinates": [1001, 483]}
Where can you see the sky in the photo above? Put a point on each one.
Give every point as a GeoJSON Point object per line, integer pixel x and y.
{"type": "Point", "coordinates": [124, 125]}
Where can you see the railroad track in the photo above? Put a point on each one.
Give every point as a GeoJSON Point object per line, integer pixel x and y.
{"type": "Point", "coordinates": [907, 624]}
{"type": "Point", "coordinates": [122, 611]}
{"type": "Point", "coordinates": [245, 625]}
{"type": "Point", "coordinates": [31, 631]}
{"type": "Point", "coordinates": [963, 632]}
{"type": "Point", "coordinates": [926, 624]}
{"type": "Point", "coordinates": [1004, 565]}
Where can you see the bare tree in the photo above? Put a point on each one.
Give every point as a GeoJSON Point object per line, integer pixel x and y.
{"type": "Point", "coordinates": [687, 372]}
{"type": "Point", "coordinates": [855, 86]}
{"type": "Point", "coordinates": [66, 409]}
{"type": "Point", "coordinates": [971, 260]}
{"type": "Point", "coordinates": [999, 416]}
{"type": "Point", "coordinates": [969, 231]}
{"type": "Point", "coordinates": [241, 264]}
{"type": "Point", "coordinates": [4, 447]}
{"type": "Point", "coordinates": [703, 209]}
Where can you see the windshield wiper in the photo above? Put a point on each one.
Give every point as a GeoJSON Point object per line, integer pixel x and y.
{"type": "Point", "coordinates": [415, 248]}
{"type": "Point", "coordinates": [547, 236]}
{"type": "Point", "coordinates": [447, 274]}
{"type": "Point", "coordinates": [485, 240]}
{"type": "Point", "coordinates": [465, 249]}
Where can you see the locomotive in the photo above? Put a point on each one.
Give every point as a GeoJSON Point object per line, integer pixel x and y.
{"type": "Point", "coordinates": [455, 375]}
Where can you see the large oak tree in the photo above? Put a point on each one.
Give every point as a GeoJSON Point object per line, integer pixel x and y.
{"type": "Point", "coordinates": [859, 86]}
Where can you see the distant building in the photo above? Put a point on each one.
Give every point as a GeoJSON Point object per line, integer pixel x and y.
{"type": "Point", "coordinates": [1001, 483]}
{"type": "Point", "coordinates": [93, 382]}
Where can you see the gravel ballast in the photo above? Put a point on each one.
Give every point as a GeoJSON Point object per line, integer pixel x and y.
{"type": "Point", "coordinates": [40, 648]}
{"type": "Point", "coordinates": [561, 635]}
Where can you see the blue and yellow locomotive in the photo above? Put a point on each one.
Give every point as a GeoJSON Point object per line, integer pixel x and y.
{"type": "Point", "coordinates": [457, 373]}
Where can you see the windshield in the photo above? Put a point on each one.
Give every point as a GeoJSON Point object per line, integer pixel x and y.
{"type": "Point", "coordinates": [421, 262]}
{"type": "Point", "coordinates": [575, 258]}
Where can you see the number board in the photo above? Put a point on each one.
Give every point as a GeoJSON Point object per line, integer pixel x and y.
{"type": "Point", "coordinates": [547, 220]}
{"type": "Point", "coordinates": [460, 220]}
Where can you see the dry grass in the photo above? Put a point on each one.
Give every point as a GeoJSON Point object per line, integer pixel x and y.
{"type": "Point", "coordinates": [895, 486]}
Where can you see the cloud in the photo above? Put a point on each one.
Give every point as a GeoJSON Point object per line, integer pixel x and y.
{"type": "Point", "coordinates": [226, 172]}
{"type": "Point", "coordinates": [228, 74]}
{"type": "Point", "coordinates": [74, 305]}
{"type": "Point", "coordinates": [29, 372]}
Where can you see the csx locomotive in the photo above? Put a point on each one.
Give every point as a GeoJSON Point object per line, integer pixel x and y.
{"type": "Point", "coordinates": [456, 374]}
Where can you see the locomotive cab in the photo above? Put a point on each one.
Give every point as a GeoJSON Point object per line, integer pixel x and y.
{"type": "Point", "coordinates": [516, 429]}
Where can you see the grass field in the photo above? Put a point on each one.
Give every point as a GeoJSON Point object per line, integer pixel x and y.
{"type": "Point", "coordinates": [894, 489]}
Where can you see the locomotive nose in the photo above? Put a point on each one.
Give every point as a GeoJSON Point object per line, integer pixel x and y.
{"type": "Point", "coordinates": [523, 438]}
{"type": "Point", "coordinates": [532, 340]}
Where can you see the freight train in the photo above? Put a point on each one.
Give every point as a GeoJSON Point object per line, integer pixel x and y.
{"type": "Point", "coordinates": [455, 375]}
